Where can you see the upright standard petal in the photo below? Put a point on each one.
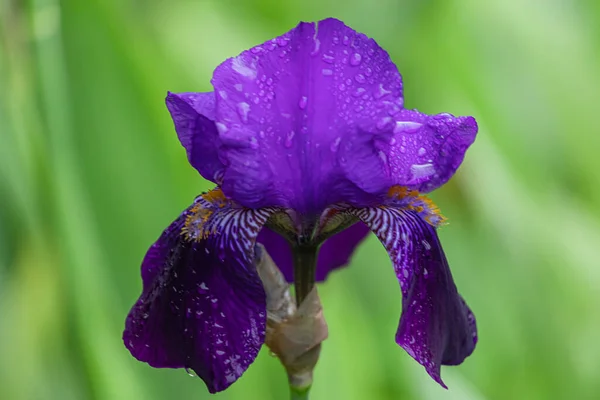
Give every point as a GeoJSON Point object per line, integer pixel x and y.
{"type": "Point", "coordinates": [334, 253]}
{"type": "Point", "coordinates": [291, 104]}
{"type": "Point", "coordinates": [436, 326]}
{"type": "Point", "coordinates": [193, 115]}
{"type": "Point", "coordinates": [203, 305]}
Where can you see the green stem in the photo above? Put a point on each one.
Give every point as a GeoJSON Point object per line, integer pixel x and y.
{"type": "Point", "coordinates": [299, 393]}
{"type": "Point", "coordinates": [305, 264]}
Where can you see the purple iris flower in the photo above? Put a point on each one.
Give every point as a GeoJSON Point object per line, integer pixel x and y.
{"type": "Point", "coordinates": [310, 147]}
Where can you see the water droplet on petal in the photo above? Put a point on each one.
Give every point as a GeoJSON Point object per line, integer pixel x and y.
{"type": "Point", "coordinates": [242, 109]}
{"type": "Point", "coordinates": [281, 41]}
{"type": "Point", "coordinates": [407, 126]}
{"type": "Point", "coordinates": [223, 94]}
{"type": "Point", "coordinates": [239, 87]}
{"type": "Point", "coordinates": [368, 72]}
{"type": "Point", "coordinates": [254, 143]}
{"type": "Point", "coordinates": [402, 149]}
{"type": "Point", "coordinates": [190, 372]}
{"type": "Point", "coordinates": [384, 123]}
{"type": "Point", "coordinates": [328, 59]}
{"type": "Point", "coordinates": [381, 91]}
{"type": "Point", "coordinates": [336, 144]}
{"type": "Point", "coordinates": [359, 91]}
{"type": "Point", "coordinates": [342, 87]}
{"type": "Point", "coordinates": [289, 139]}
{"type": "Point", "coordinates": [355, 59]}
{"type": "Point", "coordinates": [420, 171]}
{"type": "Point", "coordinates": [221, 127]}
{"type": "Point", "coordinates": [360, 78]}
{"type": "Point", "coordinates": [346, 40]}
{"type": "Point", "coordinates": [327, 72]}
{"type": "Point", "coordinates": [302, 103]}
{"type": "Point", "coordinates": [316, 48]}
{"type": "Point", "coordinates": [421, 151]}
{"type": "Point", "coordinates": [442, 116]}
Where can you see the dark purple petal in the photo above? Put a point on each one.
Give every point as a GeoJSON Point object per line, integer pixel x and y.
{"type": "Point", "coordinates": [193, 115]}
{"type": "Point", "coordinates": [203, 304]}
{"type": "Point", "coordinates": [285, 109]}
{"type": "Point", "coordinates": [333, 254]}
{"type": "Point", "coordinates": [436, 326]}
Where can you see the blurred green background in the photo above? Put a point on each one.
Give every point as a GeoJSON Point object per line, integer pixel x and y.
{"type": "Point", "coordinates": [91, 171]}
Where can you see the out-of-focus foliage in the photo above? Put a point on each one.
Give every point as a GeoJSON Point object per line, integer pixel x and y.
{"type": "Point", "coordinates": [91, 171]}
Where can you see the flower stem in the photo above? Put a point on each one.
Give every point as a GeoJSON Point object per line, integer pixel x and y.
{"type": "Point", "coordinates": [305, 264]}
{"type": "Point", "coordinates": [299, 393]}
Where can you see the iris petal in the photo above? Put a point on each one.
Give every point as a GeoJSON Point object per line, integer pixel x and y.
{"type": "Point", "coordinates": [203, 304]}
{"type": "Point", "coordinates": [436, 326]}
{"type": "Point", "coordinates": [291, 104]}
{"type": "Point", "coordinates": [312, 118]}
{"type": "Point", "coordinates": [193, 115]}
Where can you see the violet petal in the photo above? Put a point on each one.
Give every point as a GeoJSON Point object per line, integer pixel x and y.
{"type": "Point", "coordinates": [203, 305]}
{"type": "Point", "coordinates": [436, 327]}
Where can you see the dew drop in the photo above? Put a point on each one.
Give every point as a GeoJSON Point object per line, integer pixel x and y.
{"type": "Point", "coordinates": [327, 72]}
{"type": "Point", "coordinates": [328, 59]}
{"type": "Point", "coordinates": [360, 78]}
{"type": "Point", "coordinates": [384, 123]}
{"type": "Point", "coordinates": [407, 126]}
{"type": "Point", "coordinates": [316, 48]}
{"type": "Point", "coordinates": [281, 41]}
{"type": "Point", "coordinates": [342, 87]}
{"type": "Point", "coordinates": [239, 87]}
{"type": "Point", "coordinates": [253, 143]}
{"type": "Point", "coordinates": [242, 109]}
{"type": "Point", "coordinates": [336, 144]}
{"type": "Point", "coordinates": [442, 116]}
{"type": "Point", "coordinates": [289, 139]}
{"type": "Point", "coordinates": [422, 170]}
{"type": "Point", "coordinates": [421, 151]}
{"type": "Point", "coordinates": [359, 91]}
{"type": "Point", "coordinates": [368, 72]}
{"type": "Point", "coordinates": [355, 59]}
{"type": "Point", "coordinates": [190, 372]}
{"type": "Point", "coordinates": [346, 40]}
{"type": "Point", "coordinates": [221, 127]}
{"type": "Point", "coordinates": [302, 103]}
{"type": "Point", "coordinates": [381, 91]}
